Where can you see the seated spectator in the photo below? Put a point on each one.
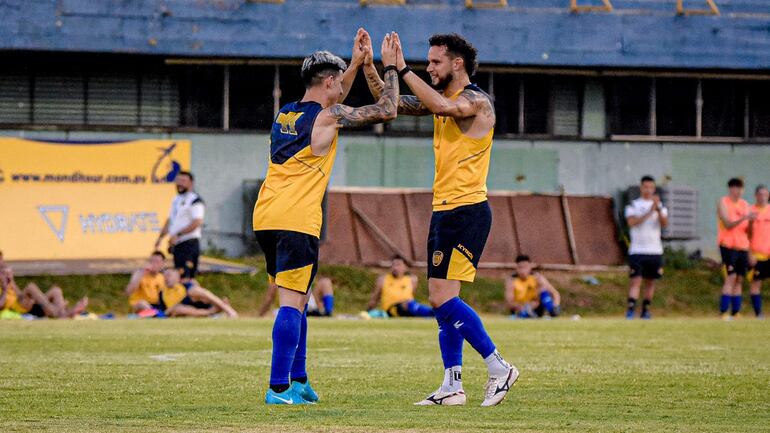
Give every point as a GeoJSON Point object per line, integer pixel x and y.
{"type": "Point", "coordinates": [143, 290]}
{"type": "Point", "coordinates": [395, 292]}
{"type": "Point", "coordinates": [32, 300]}
{"type": "Point", "coordinates": [189, 299]}
{"type": "Point", "coordinates": [529, 294]}
{"type": "Point", "coordinates": [320, 303]}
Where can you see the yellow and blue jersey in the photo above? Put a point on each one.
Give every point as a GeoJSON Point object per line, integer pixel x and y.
{"type": "Point", "coordinates": [396, 290]}
{"type": "Point", "coordinates": [290, 198]}
{"type": "Point", "coordinates": [149, 289]}
{"type": "Point", "coordinates": [171, 296]}
{"type": "Point", "coordinates": [525, 289]}
{"type": "Point", "coordinates": [462, 163]}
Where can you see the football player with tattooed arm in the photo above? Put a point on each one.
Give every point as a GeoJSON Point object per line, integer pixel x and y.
{"type": "Point", "coordinates": [287, 215]}
{"type": "Point", "coordinates": [463, 122]}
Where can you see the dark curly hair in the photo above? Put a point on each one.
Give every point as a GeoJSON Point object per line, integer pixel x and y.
{"type": "Point", "coordinates": [457, 46]}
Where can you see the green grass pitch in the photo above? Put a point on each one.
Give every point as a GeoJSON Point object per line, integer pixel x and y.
{"type": "Point", "coordinates": [677, 375]}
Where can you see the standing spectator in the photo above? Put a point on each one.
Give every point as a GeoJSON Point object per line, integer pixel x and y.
{"type": "Point", "coordinates": [184, 227]}
{"type": "Point", "coordinates": [759, 229]}
{"type": "Point", "coordinates": [645, 217]}
{"type": "Point", "coordinates": [733, 227]}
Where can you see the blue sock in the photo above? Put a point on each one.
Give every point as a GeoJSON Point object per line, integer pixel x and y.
{"type": "Point", "coordinates": [451, 344]}
{"type": "Point", "coordinates": [756, 302]}
{"type": "Point", "coordinates": [547, 301]}
{"type": "Point", "coordinates": [419, 310]}
{"type": "Point", "coordinates": [298, 370]}
{"type": "Point", "coordinates": [736, 304]}
{"type": "Point", "coordinates": [458, 314]}
{"type": "Point", "coordinates": [328, 301]}
{"type": "Point", "coordinates": [724, 303]}
{"type": "Point", "coordinates": [285, 338]}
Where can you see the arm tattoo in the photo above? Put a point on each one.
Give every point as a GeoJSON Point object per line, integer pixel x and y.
{"type": "Point", "coordinates": [383, 110]}
{"type": "Point", "coordinates": [407, 104]}
{"type": "Point", "coordinates": [411, 106]}
{"type": "Point", "coordinates": [481, 101]}
{"type": "Point", "coordinates": [376, 85]}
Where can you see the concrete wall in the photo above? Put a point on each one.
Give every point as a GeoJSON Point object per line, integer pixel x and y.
{"type": "Point", "coordinates": [529, 32]}
{"type": "Point", "coordinates": [221, 162]}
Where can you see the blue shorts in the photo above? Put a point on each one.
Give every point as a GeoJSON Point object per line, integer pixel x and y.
{"type": "Point", "coordinates": [291, 258]}
{"type": "Point", "coordinates": [456, 239]}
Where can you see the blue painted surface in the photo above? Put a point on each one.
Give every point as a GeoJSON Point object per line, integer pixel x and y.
{"type": "Point", "coordinates": [640, 33]}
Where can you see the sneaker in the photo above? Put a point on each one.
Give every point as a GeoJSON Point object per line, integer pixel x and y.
{"type": "Point", "coordinates": [305, 391]}
{"type": "Point", "coordinates": [726, 317]}
{"type": "Point", "coordinates": [646, 315]}
{"type": "Point", "coordinates": [286, 397]}
{"type": "Point", "coordinates": [497, 387]}
{"type": "Point", "coordinates": [629, 314]}
{"type": "Point", "coordinates": [760, 316]}
{"type": "Point", "coordinates": [456, 398]}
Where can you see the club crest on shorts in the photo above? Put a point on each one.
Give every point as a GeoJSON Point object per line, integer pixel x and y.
{"type": "Point", "coordinates": [438, 256]}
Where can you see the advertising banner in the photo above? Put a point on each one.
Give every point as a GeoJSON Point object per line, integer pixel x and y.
{"type": "Point", "coordinates": [81, 200]}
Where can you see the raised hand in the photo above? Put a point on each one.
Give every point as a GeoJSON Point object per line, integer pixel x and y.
{"type": "Point", "coordinates": [359, 48]}
{"type": "Point", "coordinates": [365, 42]}
{"type": "Point", "coordinates": [400, 62]}
{"type": "Point", "coordinates": [389, 50]}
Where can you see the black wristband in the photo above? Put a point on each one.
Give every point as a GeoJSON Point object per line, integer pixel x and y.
{"type": "Point", "coordinates": [404, 71]}
{"type": "Point", "coordinates": [389, 68]}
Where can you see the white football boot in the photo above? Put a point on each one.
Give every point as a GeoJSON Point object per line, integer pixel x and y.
{"type": "Point", "coordinates": [497, 387]}
{"type": "Point", "coordinates": [439, 398]}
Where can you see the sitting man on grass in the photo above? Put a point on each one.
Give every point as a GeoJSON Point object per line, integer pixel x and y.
{"type": "Point", "coordinates": [32, 300]}
{"type": "Point", "coordinates": [189, 299]}
{"type": "Point", "coordinates": [143, 290]}
{"type": "Point", "coordinates": [529, 294]}
{"type": "Point", "coordinates": [395, 292]}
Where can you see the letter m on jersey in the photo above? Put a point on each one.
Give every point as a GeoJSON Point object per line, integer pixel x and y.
{"type": "Point", "coordinates": [288, 122]}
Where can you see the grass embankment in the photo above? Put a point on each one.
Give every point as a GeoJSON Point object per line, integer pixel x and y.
{"type": "Point", "coordinates": [691, 292]}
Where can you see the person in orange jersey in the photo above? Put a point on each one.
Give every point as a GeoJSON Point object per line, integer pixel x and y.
{"type": "Point", "coordinates": [759, 232]}
{"type": "Point", "coordinates": [734, 217]}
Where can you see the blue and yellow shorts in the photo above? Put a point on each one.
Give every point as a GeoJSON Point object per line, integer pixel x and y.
{"type": "Point", "coordinates": [456, 239]}
{"type": "Point", "coordinates": [291, 258]}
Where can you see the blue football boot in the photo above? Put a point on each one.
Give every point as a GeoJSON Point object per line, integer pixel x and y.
{"type": "Point", "coordinates": [286, 397]}
{"type": "Point", "coordinates": [305, 391]}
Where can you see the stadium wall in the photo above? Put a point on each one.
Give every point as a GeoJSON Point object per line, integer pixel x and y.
{"type": "Point", "coordinates": [222, 162]}
{"type": "Point", "coordinates": [636, 34]}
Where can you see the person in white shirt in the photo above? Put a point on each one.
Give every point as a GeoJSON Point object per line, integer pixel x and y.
{"type": "Point", "coordinates": [645, 217]}
{"type": "Point", "coordinates": [184, 227]}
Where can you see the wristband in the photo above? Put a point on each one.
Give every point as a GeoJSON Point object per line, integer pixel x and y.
{"type": "Point", "coordinates": [404, 71]}
{"type": "Point", "coordinates": [389, 68]}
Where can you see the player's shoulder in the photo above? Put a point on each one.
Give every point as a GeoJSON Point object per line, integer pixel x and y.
{"type": "Point", "coordinates": [475, 94]}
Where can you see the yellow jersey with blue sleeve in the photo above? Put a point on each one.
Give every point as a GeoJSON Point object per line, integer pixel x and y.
{"type": "Point", "coordinates": [462, 162]}
{"type": "Point", "coordinates": [12, 302]}
{"type": "Point", "coordinates": [171, 296]}
{"type": "Point", "coordinates": [396, 290]}
{"type": "Point", "coordinates": [525, 289]}
{"type": "Point", "coordinates": [291, 195]}
{"type": "Point", "coordinates": [148, 290]}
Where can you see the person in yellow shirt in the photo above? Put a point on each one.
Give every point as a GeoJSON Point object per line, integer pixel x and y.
{"type": "Point", "coordinates": [189, 299]}
{"type": "Point", "coordinates": [529, 294]}
{"type": "Point", "coordinates": [31, 300]}
{"type": "Point", "coordinates": [759, 232]}
{"type": "Point", "coordinates": [143, 290]}
{"type": "Point", "coordinates": [733, 217]}
{"type": "Point", "coordinates": [287, 216]}
{"type": "Point", "coordinates": [463, 127]}
{"type": "Point", "coordinates": [394, 292]}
